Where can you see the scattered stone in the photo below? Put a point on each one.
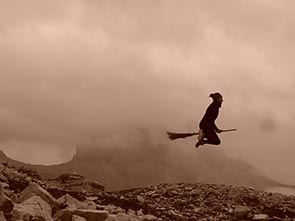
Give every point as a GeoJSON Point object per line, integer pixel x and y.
{"type": "Point", "coordinates": [33, 208]}
{"type": "Point", "coordinates": [74, 185]}
{"type": "Point", "coordinates": [63, 215]}
{"type": "Point", "coordinates": [92, 215]}
{"type": "Point", "coordinates": [123, 217]}
{"type": "Point", "coordinates": [274, 218]}
{"type": "Point", "coordinates": [2, 217]}
{"type": "Point", "coordinates": [7, 207]}
{"type": "Point", "coordinates": [140, 199]}
{"type": "Point", "coordinates": [29, 172]}
{"type": "Point", "coordinates": [97, 185]}
{"type": "Point", "coordinates": [88, 204]}
{"type": "Point", "coordinates": [241, 212]}
{"type": "Point", "coordinates": [149, 218]}
{"type": "Point", "coordinates": [78, 218]}
{"type": "Point", "coordinates": [71, 203]}
{"type": "Point", "coordinates": [111, 209]}
{"type": "Point", "coordinates": [5, 185]}
{"type": "Point", "coordinates": [1, 194]}
{"type": "Point", "coordinates": [3, 179]}
{"type": "Point", "coordinates": [10, 173]}
{"type": "Point", "coordinates": [260, 217]}
{"type": "Point", "coordinates": [35, 189]}
{"type": "Point", "coordinates": [11, 195]}
{"type": "Point", "coordinates": [92, 198]}
{"type": "Point", "coordinates": [176, 216]}
{"type": "Point", "coordinates": [70, 177]}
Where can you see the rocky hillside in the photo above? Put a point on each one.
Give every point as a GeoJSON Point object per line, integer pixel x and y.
{"type": "Point", "coordinates": [186, 201]}
{"type": "Point", "coordinates": [25, 197]}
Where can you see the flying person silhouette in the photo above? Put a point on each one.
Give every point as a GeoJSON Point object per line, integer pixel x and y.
{"type": "Point", "coordinates": [208, 129]}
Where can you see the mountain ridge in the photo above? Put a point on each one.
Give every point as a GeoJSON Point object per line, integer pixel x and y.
{"type": "Point", "coordinates": [211, 166]}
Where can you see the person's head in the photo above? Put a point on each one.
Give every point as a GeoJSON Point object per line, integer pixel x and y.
{"type": "Point", "coordinates": [216, 97]}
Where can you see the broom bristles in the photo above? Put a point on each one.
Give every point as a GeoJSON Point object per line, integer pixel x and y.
{"type": "Point", "coordinates": [174, 136]}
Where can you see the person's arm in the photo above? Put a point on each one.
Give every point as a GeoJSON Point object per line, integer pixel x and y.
{"type": "Point", "coordinates": [218, 130]}
{"type": "Point", "coordinates": [215, 127]}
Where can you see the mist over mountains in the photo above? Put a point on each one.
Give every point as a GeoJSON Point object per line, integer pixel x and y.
{"type": "Point", "coordinates": [133, 160]}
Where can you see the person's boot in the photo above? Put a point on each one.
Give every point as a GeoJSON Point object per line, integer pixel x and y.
{"type": "Point", "coordinates": [200, 142]}
{"type": "Point", "coordinates": [200, 138]}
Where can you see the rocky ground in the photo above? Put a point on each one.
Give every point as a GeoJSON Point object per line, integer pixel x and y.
{"type": "Point", "coordinates": [69, 197]}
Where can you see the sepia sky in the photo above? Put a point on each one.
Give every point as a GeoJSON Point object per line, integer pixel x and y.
{"type": "Point", "coordinates": [73, 70]}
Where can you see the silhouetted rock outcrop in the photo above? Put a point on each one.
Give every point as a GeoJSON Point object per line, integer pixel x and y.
{"type": "Point", "coordinates": [73, 184]}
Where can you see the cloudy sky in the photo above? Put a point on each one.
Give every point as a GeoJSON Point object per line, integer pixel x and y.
{"type": "Point", "coordinates": [73, 70]}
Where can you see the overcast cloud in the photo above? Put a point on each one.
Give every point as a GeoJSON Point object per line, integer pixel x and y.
{"type": "Point", "coordinates": [72, 70]}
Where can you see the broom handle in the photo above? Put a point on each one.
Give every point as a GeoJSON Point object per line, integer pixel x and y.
{"type": "Point", "coordinates": [174, 136]}
{"type": "Point", "coordinates": [226, 130]}
{"type": "Point", "coordinates": [233, 129]}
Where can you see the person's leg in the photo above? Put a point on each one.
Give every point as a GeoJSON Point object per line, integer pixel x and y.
{"type": "Point", "coordinates": [211, 137]}
{"type": "Point", "coordinates": [200, 138]}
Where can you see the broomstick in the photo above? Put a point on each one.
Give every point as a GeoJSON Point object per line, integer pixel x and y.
{"type": "Point", "coordinates": [174, 136]}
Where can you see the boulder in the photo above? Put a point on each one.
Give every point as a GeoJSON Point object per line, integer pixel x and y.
{"type": "Point", "coordinates": [7, 207]}
{"type": "Point", "coordinates": [130, 217]}
{"type": "Point", "coordinates": [260, 217]}
{"type": "Point", "coordinates": [1, 194]}
{"type": "Point", "coordinates": [63, 215]}
{"type": "Point", "coordinates": [241, 212]}
{"type": "Point", "coordinates": [11, 195]}
{"type": "Point", "coordinates": [149, 217]}
{"type": "Point", "coordinates": [89, 204]}
{"type": "Point", "coordinates": [18, 184]}
{"type": "Point", "coordinates": [140, 199]}
{"type": "Point", "coordinates": [2, 217]}
{"type": "Point", "coordinates": [78, 218]}
{"type": "Point", "coordinates": [176, 215]}
{"type": "Point", "coordinates": [16, 181]}
{"type": "Point", "coordinates": [74, 185]}
{"type": "Point", "coordinates": [3, 178]}
{"type": "Point", "coordinates": [92, 215]}
{"type": "Point", "coordinates": [58, 190]}
{"type": "Point", "coordinates": [89, 215]}
{"type": "Point", "coordinates": [5, 185]}
{"type": "Point", "coordinates": [29, 172]}
{"type": "Point", "coordinates": [123, 217]}
{"type": "Point", "coordinates": [11, 174]}
{"type": "Point", "coordinates": [72, 203]}
{"type": "Point", "coordinates": [34, 189]}
{"type": "Point", "coordinates": [111, 209]}
{"type": "Point", "coordinates": [97, 185]}
{"type": "Point", "coordinates": [33, 208]}
{"type": "Point", "coordinates": [64, 178]}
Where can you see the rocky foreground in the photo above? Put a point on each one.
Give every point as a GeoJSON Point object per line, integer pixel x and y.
{"type": "Point", "coordinates": [24, 196]}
